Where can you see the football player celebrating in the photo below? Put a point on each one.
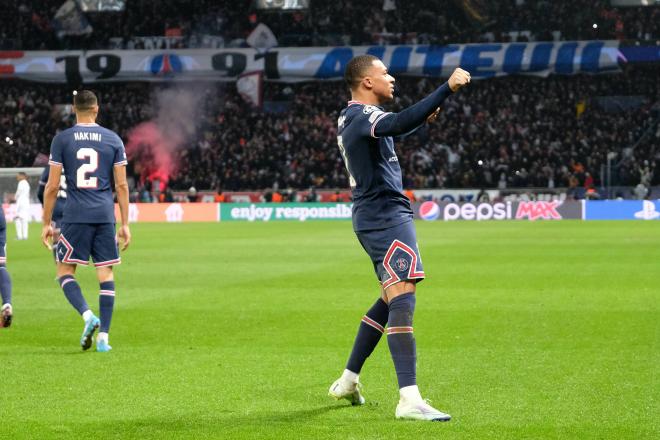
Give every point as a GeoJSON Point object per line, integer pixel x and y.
{"type": "Point", "coordinates": [382, 221]}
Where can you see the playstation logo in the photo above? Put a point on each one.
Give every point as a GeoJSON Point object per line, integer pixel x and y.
{"type": "Point", "coordinates": [648, 211]}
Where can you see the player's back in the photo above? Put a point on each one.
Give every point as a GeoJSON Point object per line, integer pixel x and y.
{"type": "Point", "coordinates": [88, 154]}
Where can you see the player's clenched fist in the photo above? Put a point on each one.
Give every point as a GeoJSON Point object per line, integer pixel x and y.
{"type": "Point", "coordinates": [458, 79]}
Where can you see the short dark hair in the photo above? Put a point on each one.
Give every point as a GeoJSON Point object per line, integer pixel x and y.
{"type": "Point", "coordinates": [85, 100]}
{"type": "Point", "coordinates": [355, 69]}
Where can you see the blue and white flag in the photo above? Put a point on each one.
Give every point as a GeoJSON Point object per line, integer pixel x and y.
{"type": "Point", "coordinates": [70, 20]}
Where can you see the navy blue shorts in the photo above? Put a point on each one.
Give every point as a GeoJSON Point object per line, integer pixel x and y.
{"type": "Point", "coordinates": [394, 253]}
{"type": "Point", "coordinates": [79, 241]}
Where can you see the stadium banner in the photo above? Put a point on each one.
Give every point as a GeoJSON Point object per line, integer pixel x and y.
{"type": "Point", "coordinates": [170, 212]}
{"type": "Point", "coordinates": [532, 210]}
{"type": "Point", "coordinates": [622, 210]}
{"type": "Point", "coordinates": [310, 63]}
{"type": "Point", "coordinates": [266, 212]}
{"type": "Point", "coordinates": [454, 195]}
{"type": "Point", "coordinates": [36, 212]}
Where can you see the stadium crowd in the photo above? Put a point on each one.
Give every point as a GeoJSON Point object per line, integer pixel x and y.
{"type": "Point", "coordinates": [30, 25]}
{"type": "Point", "coordinates": [499, 133]}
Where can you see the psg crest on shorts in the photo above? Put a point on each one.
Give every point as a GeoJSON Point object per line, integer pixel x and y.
{"type": "Point", "coordinates": [401, 264]}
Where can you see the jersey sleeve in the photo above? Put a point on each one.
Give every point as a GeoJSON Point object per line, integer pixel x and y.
{"type": "Point", "coordinates": [366, 119]}
{"type": "Point", "coordinates": [397, 124]}
{"type": "Point", "coordinates": [55, 157]}
{"type": "Point", "coordinates": [120, 153]}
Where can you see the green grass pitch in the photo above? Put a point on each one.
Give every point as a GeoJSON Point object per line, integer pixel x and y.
{"type": "Point", "coordinates": [524, 331]}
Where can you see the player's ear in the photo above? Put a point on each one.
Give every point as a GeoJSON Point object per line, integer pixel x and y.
{"type": "Point", "coordinates": [367, 82]}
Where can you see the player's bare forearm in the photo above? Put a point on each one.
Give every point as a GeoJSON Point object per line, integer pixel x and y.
{"type": "Point", "coordinates": [49, 203]}
{"type": "Point", "coordinates": [121, 187]}
{"type": "Point", "coordinates": [50, 193]}
{"type": "Point", "coordinates": [50, 196]}
{"type": "Point", "coordinates": [122, 201]}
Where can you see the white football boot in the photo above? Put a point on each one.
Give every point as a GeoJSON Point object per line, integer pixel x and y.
{"type": "Point", "coordinates": [341, 389]}
{"type": "Point", "coordinates": [420, 410]}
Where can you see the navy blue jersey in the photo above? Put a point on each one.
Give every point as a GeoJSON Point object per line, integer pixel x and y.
{"type": "Point", "coordinates": [373, 167]}
{"type": "Point", "coordinates": [43, 180]}
{"type": "Point", "coordinates": [88, 154]}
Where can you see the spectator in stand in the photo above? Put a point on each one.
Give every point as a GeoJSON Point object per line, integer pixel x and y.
{"type": "Point", "coordinates": [312, 196]}
{"type": "Point", "coordinates": [411, 195]}
{"type": "Point", "coordinates": [28, 25]}
{"type": "Point", "coordinates": [502, 132]}
{"type": "Point", "coordinates": [220, 197]}
{"type": "Point", "coordinates": [192, 195]}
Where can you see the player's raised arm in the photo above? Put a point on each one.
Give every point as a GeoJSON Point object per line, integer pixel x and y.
{"type": "Point", "coordinates": [121, 187]}
{"type": "Point", "coordinates": [395, 124]}
{"type": "Point", "coordinates": [49, 198]}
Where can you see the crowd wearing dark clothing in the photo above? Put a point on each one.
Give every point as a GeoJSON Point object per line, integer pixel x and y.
{"type": "Point", "coordinates": [29, 25]}
{"type": "Point", "coordinates": [504, 132]}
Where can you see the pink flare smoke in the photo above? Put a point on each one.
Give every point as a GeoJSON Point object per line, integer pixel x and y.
{"type": "Point", "coordinates": [153, 150]}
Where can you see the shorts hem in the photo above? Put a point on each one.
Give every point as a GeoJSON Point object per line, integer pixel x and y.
{"type": "Point", "coordinates": [74, 262]}
{"type": "Point", "coordinates": [387, 283]}
{"type": "Point", "coordinates": [108, 263]}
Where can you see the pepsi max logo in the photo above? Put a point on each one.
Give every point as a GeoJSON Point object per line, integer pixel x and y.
{"type": "Point", "coordinates": [429, 211]}
{"type": "Point", "coordinates": [166, 64]}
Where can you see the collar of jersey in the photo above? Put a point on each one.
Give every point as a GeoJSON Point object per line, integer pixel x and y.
{"type": "Point", "coordinates": [350, 103]}
{"type": "Point", "coordinates": [88, 124]}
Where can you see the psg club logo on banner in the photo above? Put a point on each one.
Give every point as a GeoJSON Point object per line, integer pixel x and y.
{"type": "Point", "coordinates": [166, 64]}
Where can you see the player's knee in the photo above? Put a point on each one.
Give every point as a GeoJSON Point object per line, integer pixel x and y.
{"type": "Point", "coordinates": [399, 289]}
{"type": "Point", "coordinates": [65, 269]}
{"type": "Point", "coordinates": [104, 274]}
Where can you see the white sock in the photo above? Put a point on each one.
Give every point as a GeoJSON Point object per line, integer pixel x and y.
{"type": "Point", "coordinates": [25, 225]}
{"type": "Point", "coordinates": [349, 378]}
{"type": "Point", "coordinates": [86, 315]}
{"type": "Point", "coordinates": [5, 305]}
{"type": "Point", "coordinates": [103, 336]}
{"type": "Point", "coordinates": [410, 394]}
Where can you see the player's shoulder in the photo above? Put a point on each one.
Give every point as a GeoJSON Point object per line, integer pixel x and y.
{"type": "Point", "coordinates": [110, 135]}
{"type": "Point", "coordinates": [361, 110]}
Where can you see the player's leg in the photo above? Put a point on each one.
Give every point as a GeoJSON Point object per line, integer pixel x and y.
{"type": "Point", "coordinates": [105, 254]}
{"type": "Point", "coordinates": [73, 248]}
{"type": "Point", "coordinates": [25, 225]}
{"type": "Point", "coordinates": [6, 312]}
{"type": "Point", "coordinates": [18, 223]}
{"type": "Point", "coordinates": [402, 269]}
{"type": "Point", "coordinates": [370, 331]}
{"type": "Point", "coordinates": [106, 305]}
